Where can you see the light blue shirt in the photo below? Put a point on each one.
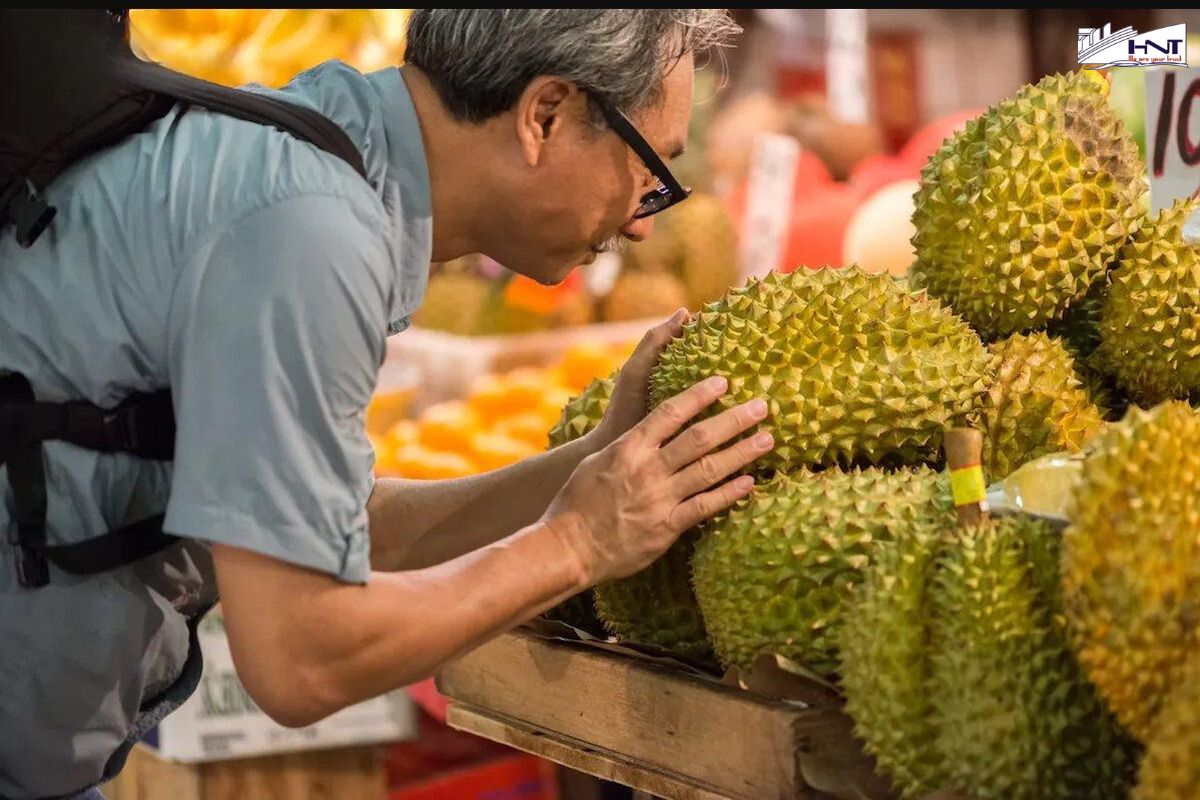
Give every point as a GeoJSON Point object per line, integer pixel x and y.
{"type": "Point", "coordinates": [257, 277]}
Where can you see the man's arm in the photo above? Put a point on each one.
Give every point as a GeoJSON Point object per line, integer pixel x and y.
{"type": "Point", "coordinates": [418, 524]}
{"type": "Point", "coordinates": [306, 644]}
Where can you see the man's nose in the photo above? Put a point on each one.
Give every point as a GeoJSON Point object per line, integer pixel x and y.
{"type": "Point", "coordinates": [638, 229]}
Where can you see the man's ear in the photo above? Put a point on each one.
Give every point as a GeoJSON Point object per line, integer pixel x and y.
{"type": "Point", "coordinates": [539, 117]}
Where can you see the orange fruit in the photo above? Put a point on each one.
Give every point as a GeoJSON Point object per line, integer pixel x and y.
{"type": "Point", "coordinates": [495, 450]}
{"type": "Point", "coordinates": [584, 361]}
{"type": "Point", "coordinates": [448, 426]}
{"type": "Point", "coordinates": [386, 409]}
{"type": "Point", "coordinates": [420, 463]}
{"type": "Point", "coordinates": [530, 428]}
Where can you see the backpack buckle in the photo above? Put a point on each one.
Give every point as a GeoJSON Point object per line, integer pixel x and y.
{"type": "Point", "coordinates": [32, 570]}
{"type": "Point", "coordinates": [31, 214]}
{"type": "Point", "coordinates": [121, 429]}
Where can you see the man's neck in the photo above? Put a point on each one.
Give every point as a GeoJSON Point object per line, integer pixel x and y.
{"type": "Point", "coordinates": [458, 182]}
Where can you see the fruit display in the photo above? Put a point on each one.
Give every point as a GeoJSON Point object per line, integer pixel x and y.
{"type": "Point", "coordinates": [1008, 658]}
{"type": "Point", "coordinates": [1035, 404]}
{"type": "Point", "coordinates": [855, 369]}
{"type": "Point", "coordinates": [1020, 213]}
{"type": "Point", "coordinates": [504, 418]}
{"type": "Point", "coordinates": [268, 46]}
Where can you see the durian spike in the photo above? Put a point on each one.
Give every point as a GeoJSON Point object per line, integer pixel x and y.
{"type": "Point", "coordinates": [964, 457]}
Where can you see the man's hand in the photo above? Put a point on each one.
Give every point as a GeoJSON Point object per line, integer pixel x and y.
{"type": "Point", "coordinates": [625, 505]}
{"type": "Point", "coordinates": [629, 402]}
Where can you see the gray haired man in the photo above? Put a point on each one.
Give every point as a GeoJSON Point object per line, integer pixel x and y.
{"type": "Point", "coordinates": [257, 277]}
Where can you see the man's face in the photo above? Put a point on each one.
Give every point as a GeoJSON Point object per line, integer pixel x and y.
{"type": "Point", "coordinates": [580, 199]}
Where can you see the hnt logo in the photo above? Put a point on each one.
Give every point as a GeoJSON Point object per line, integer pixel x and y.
{"type": "Point", "coordinates": [1101, 47]}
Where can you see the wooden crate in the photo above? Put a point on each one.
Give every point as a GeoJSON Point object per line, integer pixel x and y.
{"type": "Point", "coordinates": [651, 727]}
{"type": "Point", "coordinates": [348, 772]}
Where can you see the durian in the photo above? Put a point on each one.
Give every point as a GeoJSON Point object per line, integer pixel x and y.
{"type": "Point", "coordinates": [885, 665]}
{"type": "Point", "coordinates": [1131, 560]}
{"type": "Point", "coordinates": [584, 412]}
{"type": "Point", "coordinates": [1019, 213]}
{"type": "Point", "coordinates": [642, 295]}
{"type": "Point", "coordinates": [1171, 767]}
{"type": "Point", "coordinates": [774, 573]}
{"type": "Point", "coordinates": [455, 299]}
{"type": "Point", "coordinates": [696, 242]}
{"type": "Point", "coordinates": [855, 369]}
{"type": "Point", "coordinates": [1035, 404]}
{"type": "Point", "coordinates": [1150, 323]}
{"type": "Point", "coordinates": [958, 675]}
{"type": "Point", "coordinates": [656, 606]}
{"type": "Point", "coordinates": [580, 416]}
{"type": "Point", "coordinates": [1016, 717]}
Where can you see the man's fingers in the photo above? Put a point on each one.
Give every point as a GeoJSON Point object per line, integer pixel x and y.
{"type": "Point", "coordinates": [703, 437]}
{"type": "Point", "coordinates": [645, 355]}
{"type": "Point", "coordinates": [715, 467]}
{"type": "Point", "coordinates": [673, 413]}
{"type": "Point", "coordinates": [698, 508]}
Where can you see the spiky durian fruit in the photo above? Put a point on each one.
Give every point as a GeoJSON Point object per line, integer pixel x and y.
{"type": "Point", "coordinates": [584, 412]}
{"type": "Point", "coordinates": [854, 368]}
{"type": "Point", "coordinates": [1034, 405]}
{"type": "Point", "coordinates": [455, 299]}
{"type": "Point", "coordinates": [1150, 324]}
{"type": "Point", "coordinates": [959, 678]}
{"type": "Point", "coordinates": [773, 574]}
{"type": "Point", "coordinates": [1131, 559]}
{"type": "Point", "coordinates": [656, 605]}
{"type": "Point", "coordinates": [885, 665]}
{"type": "Point", "coordinates": [641, 295]}
{"type": "Point", "coordinates": [1015, 715]}
{"type": "Point", "coordinates": [1019, 213]}
{"type": "Point", "coordinates": [580, 416]}
{"type": "Point", "coordinates": [1171, 767]}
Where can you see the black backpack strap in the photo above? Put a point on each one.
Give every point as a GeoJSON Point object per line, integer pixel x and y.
{"type": "Point", "coordinates": [301, 122]}
{"type": "Point", "coordinates": [143, 425]}
{"type": "Point", "coordinates": [114, 549]}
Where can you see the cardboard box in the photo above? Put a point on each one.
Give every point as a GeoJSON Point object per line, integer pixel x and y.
{"type": "Point", "coordinates": [220, 721]}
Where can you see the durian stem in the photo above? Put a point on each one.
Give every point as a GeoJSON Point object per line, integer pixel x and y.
{"type": "Point", "coordinates": [964, 457]}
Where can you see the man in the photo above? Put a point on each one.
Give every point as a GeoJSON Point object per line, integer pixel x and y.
{"type": "Point", "coordinates": [257, 277]}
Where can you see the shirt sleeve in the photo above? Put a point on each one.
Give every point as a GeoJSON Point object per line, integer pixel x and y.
{"type": "Point", "coordinates": [276, 334]}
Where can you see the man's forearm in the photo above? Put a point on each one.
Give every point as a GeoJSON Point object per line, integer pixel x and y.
{"type": "Point", "coordinates": [339, 644]}
{"type": "Point", "coordinates": [416, 524]}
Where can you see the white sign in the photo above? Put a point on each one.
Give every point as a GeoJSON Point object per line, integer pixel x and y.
{"type": "Point", "coordinates": [1103, 47]}
{"type": "Point", "coordinates": [1173, 138]}
{"type": "Point", "coordinates": [846, 64]}
{"type": "Point", "coordinates": [768, 214]}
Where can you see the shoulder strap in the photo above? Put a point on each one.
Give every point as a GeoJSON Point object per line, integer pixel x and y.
{"type": "Point", "coordinates": [301, 122]}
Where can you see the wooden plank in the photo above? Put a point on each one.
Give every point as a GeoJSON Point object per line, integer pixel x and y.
{"type": "Point", "coordinates": [146, 777]}
{"type": "Point", "coordinates": [350, 772]}
{"type": "Point", "coordinates": [657, 718]}
{"type": "Point", "coordinates": [578, 756]}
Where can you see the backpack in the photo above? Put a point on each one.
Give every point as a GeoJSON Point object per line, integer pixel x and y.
{"type": "Point", "coordinates": [73, 86]}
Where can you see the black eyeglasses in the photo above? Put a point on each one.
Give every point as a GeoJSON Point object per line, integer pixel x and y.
{"type": "Point", "coordinates": [669, 191]}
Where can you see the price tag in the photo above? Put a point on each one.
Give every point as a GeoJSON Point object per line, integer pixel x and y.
{"type": "Point", "coordinates": [846, 63]}
{"type": "Point", "coordinates": [768, 213]}
{"type": "Point", "coordinates": [1173, 138]}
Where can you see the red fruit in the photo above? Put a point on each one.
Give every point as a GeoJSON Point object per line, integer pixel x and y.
{"type": "Point", "coordinates": [819, 222]}
{"type": "Point", "coordinates": [875, 172]}
{"type": "Point", "coordinates": [926, 141]}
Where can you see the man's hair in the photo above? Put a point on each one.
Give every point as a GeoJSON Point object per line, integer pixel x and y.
{"type": "Point", "coordinates": [481, 60]}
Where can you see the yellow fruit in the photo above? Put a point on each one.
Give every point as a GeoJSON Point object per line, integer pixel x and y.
{"type": "Point", "coordinates": [448, 426]}
{"type": "Point", "coordinates": [420, 463]}
{"type": "Point", "coordinates": [584, 362]}
{"type": "Point", "coordinates": [641, 295]}
{"type": "Point", "coordinates": [494, 450]}
{"type": "Point", "coordinates": [529, 428]}
{"type": "Point", "coordinates": [403, 432]}
{"type": "Point", "coordinates": [386, 409]}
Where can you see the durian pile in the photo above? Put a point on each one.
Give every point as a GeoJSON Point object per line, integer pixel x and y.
{"type": "Point", "coordinates": [1009, 659]}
